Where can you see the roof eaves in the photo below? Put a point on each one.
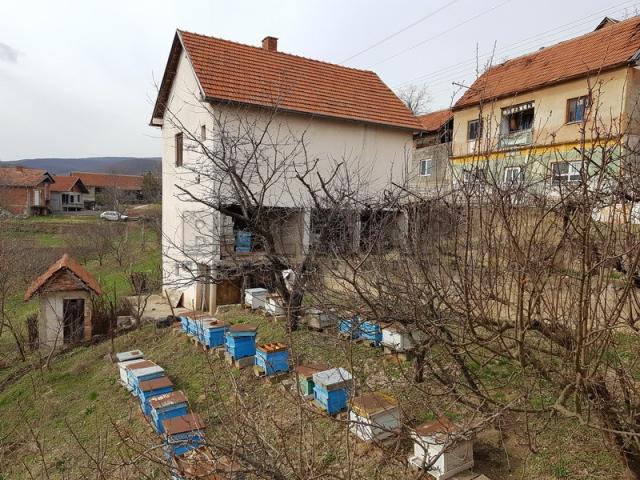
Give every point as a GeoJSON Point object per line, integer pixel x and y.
{"type": "Point", "coordinates": [570, 78]}
{"type": "Point", "coordinates": [400, 126]}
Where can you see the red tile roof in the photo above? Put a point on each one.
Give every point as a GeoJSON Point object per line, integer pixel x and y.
{"type": "Point", "coordinates": [66, 184]}
{"type": "Point", "coordinates": [23, 177]}
{"type": "Point", "coordinates": [65, 264]}
{"type": "Point", "coordinates": [612, 46]}
{"type": "Point", "coordinates": [233, 72]}
{"type": "Point", "coordinates": [108, 180]}
{"type": "Point", "coordinates": [432, 122]}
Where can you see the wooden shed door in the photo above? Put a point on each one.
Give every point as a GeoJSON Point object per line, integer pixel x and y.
{"type": "Point", "coordinates": [228, 292]}
{"type": "Point", "coordinates": [73, 313]}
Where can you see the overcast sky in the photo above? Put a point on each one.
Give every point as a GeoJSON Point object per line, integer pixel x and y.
{"type": "Point", "coordinates": [77, 77]}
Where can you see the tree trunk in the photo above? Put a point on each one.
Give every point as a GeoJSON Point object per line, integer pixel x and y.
{"type": "Point", "coordinates": [418, 366]}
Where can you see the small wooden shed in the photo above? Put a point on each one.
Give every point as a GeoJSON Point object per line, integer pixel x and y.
{"type": "Point", "coordinates": [66, 290]}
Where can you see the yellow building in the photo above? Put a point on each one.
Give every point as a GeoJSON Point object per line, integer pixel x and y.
{"type": "Point", "coordinates": [534, 116]}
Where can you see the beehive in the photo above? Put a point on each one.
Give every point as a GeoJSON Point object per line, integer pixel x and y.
{"type": "Point", "coordinates": [152, 388]}
{"type": "Point", "coordinates": [213, 332]}
{"type": "Point", "coordinates": [240, 340]}
{"type": "Point", "coordinates": [138, 375]}
{"type": "Point", "coordinates": [135, 365]}
{"type": "Point", "coordinates": [183, 433]}
{"type": "Point", "coordinates": [355, 327]}
{"type": "Point", "coordinates": [374, 416]}
{"type": "Point", "coordinates": [274, 304]}
{"type": "Point", "coordinates": [331, 389]}
{"type": "Point", "coordinates": [399, 338]}
{"type": "Point", "coordinates": [124, 364]}
{"type": "Point", "coordinates": [318, 319]}
{"type": "Point", "coordinates": [272, 358]}
{"type": "Point", "coordinates": [166, 406]}
{"type": "Point", "coordinates": [255, 297]}
{"type": "Point", "coordinates": [130, 355]}
{"type": "Point", "coordinates": [441, 440]}
{"type": "Point", "coordinates": [305, 377]}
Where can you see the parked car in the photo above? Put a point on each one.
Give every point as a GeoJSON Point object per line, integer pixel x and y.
{"type": "Point", "coordinates": [113, 216]}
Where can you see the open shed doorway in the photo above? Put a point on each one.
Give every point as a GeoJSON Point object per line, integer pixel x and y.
{"type": "Point", "coordinates": [73, 315]}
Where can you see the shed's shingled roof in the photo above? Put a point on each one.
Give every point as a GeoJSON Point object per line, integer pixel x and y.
{"type": "Point", "coordinates": [233, 72]}
{"type": "Point", "coordinates": [23, 177]}
{"type": "Point", "coordinates": [610, 47]}
{"type": "Point", "coordinates": [67, 264]}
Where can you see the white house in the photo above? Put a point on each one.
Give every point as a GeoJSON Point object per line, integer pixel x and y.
{"type": "Point", "coordinates": [343, 114]}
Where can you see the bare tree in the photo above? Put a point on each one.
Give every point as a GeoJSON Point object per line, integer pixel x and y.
{"type": "Point", "coordinates": [416, 97]}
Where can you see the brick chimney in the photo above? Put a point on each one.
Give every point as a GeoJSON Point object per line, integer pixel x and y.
{"type": "Point", "coordinates": [270, 43]}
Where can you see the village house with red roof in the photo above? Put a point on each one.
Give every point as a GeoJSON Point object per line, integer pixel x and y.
{"type": "Point", "coordinates": [343, 114]}
{"type": "Point", "coordinates": [25, 191]}
{"type": "Point", "coordinates": [66, 194]}
{"type": "Point", "coordinates": [523, 119]}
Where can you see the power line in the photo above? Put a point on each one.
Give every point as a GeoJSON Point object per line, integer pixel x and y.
{"type": "Point", "coordinates": [402, 52]}
{"type": "Point", "coordinates": [404, 29]}
{"type": "Point", "coordinates": [526, 41]}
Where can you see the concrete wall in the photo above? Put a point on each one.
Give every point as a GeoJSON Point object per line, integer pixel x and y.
{"type": "Point", "coordinates": [51, 316]}
{"type": "Point", "coordinates": [440, 177]}
{"type": "Point", "coordinates": [378, 153]}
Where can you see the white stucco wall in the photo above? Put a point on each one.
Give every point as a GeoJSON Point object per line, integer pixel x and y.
{"type": "Point", "coordinates": [378, 153]}
{"type": "Point", "coordinates": [51, 316]}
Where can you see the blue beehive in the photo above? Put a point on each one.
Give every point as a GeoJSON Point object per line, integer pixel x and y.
{"type": "Point", "coordinates": [243, 242]}
{"type": "Point", "coordinates": [169, 405]}
{"type": "Point", "coordinates": [183, 433]}
{"type": "Point", "coordinates": [142, 375]}
{"type": "Point", "coordinates": [349, 326]}
{"type": "Point", "coordinates": [213, 333]}
{"type": "Point", "coordinates": [331, 389]}
{"type": "Point", "coordinates": [152, 388]}
{"type": "Point", "coordinates": [184, 323]}
{"type": "Point", "coordinates": [240, 340]}
{"type": "Point", "coordinates": [272, 358]}
{"type": "Point", "coordinates": [370, 331]}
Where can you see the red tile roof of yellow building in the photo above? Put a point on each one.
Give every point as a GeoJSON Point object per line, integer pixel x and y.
{"type": "Point", "coordinates": [237, 73]}
{"type": "Point", "coordinates": [66, 263]}
{"type": "Point", "coordinates": [612, 46]}
{"type": "Point", "coordinates": [432, 122]}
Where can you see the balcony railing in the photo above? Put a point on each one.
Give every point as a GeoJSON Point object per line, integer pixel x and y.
{"type": "Point", "coordinates": [515, 139]}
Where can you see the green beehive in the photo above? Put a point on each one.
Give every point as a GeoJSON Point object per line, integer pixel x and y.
{"type": "Point", "coordinates": [305, 377]}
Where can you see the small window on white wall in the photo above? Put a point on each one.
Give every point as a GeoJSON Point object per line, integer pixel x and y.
{"type": "Point", "coordinates": [203, 133]}
{"type": "Point", "coordinates": [426, 167]}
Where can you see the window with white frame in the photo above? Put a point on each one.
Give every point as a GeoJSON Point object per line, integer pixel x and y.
{"type": "Point", "coordinates": [474, 176]}
{"type": "Point", "coordinates": [566, 172]}
{"type": "Point", "coordinates": [203, 133]}
{"type": "Point", "coordinates": [513, 175]}
{"type": "Point", "coordinates": [426, 167]}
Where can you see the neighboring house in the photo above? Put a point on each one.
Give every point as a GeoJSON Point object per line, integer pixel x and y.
{"type": "Point", "coordinates": [24, 191]}
{"type": "Point", "coordinates": [122, 187]}
{"type": "Point", "coordinates": [522, 119]}
{"type": "Point", "coordinates": [66, 194]}
{"type": "Point", "coordinates": [431, 169]}
{"type": "Point", "coordinates": [343, 113]}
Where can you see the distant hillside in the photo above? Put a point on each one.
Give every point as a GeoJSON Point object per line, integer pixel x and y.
{"type": "Point", "coordinates": [124, 165]}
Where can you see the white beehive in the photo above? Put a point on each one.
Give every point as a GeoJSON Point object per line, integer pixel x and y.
{"type": "Point", "coordinates": [437, 440]}
{"type": "Point", "coordinates": [399, 338]}
{"type": "Point", "coordinates": [124, 376]}
{"type": "Point", "coordinates": [130, 355]}
{"type": "Point", "coordinates": [273, 305]}
{"type": "Point", "coordinates": [255, 297]}
{"type": "Point", "coordinates": [374, 416]}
